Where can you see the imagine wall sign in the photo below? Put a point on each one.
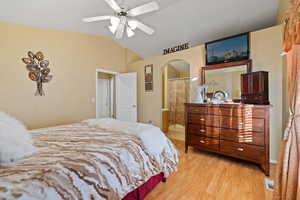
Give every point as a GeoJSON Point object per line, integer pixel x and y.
{"type": "Point", "coordinates": [177, 48]}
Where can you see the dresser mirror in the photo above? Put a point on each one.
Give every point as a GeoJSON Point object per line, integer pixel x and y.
{"type": "Point", "coordinates": [223, 81]}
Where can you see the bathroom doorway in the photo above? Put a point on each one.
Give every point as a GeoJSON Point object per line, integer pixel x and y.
{"type": "Point", "coordinates": [105, 94]}
{"type": "Point", "coordinates": [176, 92]}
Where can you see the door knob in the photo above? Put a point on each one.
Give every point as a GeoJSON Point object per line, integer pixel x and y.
{"type": "Point", "coordinates": [134, 106]}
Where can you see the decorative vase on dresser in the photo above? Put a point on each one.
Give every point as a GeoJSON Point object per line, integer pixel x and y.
{"type": "Point", "coordinates": [236, 130]}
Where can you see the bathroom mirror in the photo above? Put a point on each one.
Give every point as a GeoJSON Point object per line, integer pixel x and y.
{"type": "Point", "coordinates": [223, 81]}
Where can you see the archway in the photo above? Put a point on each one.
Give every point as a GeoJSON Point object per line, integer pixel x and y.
{"type": "Point", "coordinates": [176, 83]}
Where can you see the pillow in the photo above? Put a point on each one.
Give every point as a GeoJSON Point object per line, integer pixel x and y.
{"type": "Point", "coordinates": [15, 140]}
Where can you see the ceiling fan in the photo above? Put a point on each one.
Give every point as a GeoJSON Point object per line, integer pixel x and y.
{"type": "Point", "coordinates": [124, 18]}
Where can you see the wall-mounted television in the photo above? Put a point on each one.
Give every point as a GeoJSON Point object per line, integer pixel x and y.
{"type": "Point", "coordinates": [230, 49]}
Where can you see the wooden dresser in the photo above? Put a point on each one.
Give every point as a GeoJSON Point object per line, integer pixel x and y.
{"type": "Point", "coordinates": [236, 130]}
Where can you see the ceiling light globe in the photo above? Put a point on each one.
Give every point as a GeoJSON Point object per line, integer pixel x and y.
{"type": "Point", "coordinates": [130, 33]}
{"type": "Point", "coordinates": [114, 21]}
{"type": "Point", "coordinates": [132, 24]}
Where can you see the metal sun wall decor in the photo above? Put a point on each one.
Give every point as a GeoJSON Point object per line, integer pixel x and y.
{"type": "Point", "coordinates": [38, 70]}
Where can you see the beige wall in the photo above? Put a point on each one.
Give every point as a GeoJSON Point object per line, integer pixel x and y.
{"type": "Point", "coordinates": [282, 9]}
{"type": "Point", "coordinates": [150, 104]}
{"type": "Point", "coordinates": [265, 50]}
{"type": "Point", "coordinates": [73, 57]}
{"type": "Point", "coordinates": [266, 47]}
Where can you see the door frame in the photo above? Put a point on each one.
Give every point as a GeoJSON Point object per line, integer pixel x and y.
{"type": "Point", "coordinates": [103, 71]}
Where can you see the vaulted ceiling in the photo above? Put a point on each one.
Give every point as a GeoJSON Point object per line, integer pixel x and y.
{"type": "Point", "coordinates": [177, 21]}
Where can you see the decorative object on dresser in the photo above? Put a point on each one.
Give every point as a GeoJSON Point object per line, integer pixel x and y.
{"type": "Point", "coordinates": [236, 130]}
{"type": "Point", "coordinates": [255, 88]}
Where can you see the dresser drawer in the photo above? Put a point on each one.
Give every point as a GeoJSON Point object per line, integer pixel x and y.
{"type": "Point", "coordinates": [208, 120]}
{"type": "Point", "coordinates": [239, 136]}
{"type": "Point", "coordinates": [213, 110]}
{"type": "Point", "coordinates": [204, 142]}
{"type": "Point", "coordinates": [232, 122]}
{"type": "Point", "coordinates": [197, 109]}
{"type": "Point", "coordinates": [236, 112]}
{"type": "Point", "coordinates": [247, 111]}
{"type": "Point", "coordinates": [246, 124]}
{"type": "Point", "coordinates": [203, 130]}
{"type": "Point", "coordinates": [257, 112]}
{"type": "Point", "coordinates": [244, 151]}
{"type": "Point", "coordinates": [197, 119]}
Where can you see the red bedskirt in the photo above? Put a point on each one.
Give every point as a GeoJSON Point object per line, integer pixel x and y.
{"type": "Point", "coordinates": [141, 192]}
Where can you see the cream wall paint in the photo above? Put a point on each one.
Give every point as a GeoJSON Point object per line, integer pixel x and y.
{"type": "Point", "coordinates": [150, 104]}
{"type": "Point", "coordinates": [73, 57]}
{"type": "Point", "coordinates": [265, 49]}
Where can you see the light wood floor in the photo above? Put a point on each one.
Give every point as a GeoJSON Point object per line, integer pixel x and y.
{"type": "Point", "coordinates": [207, 176]}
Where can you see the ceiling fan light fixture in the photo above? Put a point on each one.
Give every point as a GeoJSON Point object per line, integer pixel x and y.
{"type": "Point", "coordinates": [123, 19]}
{"type": "Point", "coordinates": [114, 21]}
{"type": "Point", "coordinates": [113, 28]}
{"type": "Point", "coordinates": [132, 24]}
{"type": "Point", "coordinates": [130, 32]}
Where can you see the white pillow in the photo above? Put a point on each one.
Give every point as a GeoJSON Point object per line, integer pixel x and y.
{"type": "Point", "coordinates": [15, 140]}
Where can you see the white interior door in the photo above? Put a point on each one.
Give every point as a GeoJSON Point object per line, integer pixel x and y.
{"type": "Point", "coordinates": [126, 97]}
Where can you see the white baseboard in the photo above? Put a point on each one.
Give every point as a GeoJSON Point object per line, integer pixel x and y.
{"type": "Point", "coordinates": [273, 161]}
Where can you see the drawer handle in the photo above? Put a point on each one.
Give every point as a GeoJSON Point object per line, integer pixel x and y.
{"type": "Point", "coordinates": [202, 119]}
{"type": "Point", "coordinates": [203, 131]}
{"type": "Point", "coordinates": [240, 149]}
{"type": "Point", "coordinates": [240, 136]}
{"type": "Point", "coordinates": [202, 141]}
{"type": "Point", "coordinates": [241, 123]}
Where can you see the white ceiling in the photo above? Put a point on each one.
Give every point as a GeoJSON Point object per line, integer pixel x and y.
{"type": "Point", "coordinates": [178, 21]}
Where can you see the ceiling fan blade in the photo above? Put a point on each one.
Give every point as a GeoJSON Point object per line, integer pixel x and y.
{"type": "Point", "coordinates": [121, 28]}
{"type": "Point", "coordinates": [113, 4]}
{"type": "Point", "coordinates": [94, 19]}
{"type": "Point", "coordinates": [149, 7]}
{"type": "Point", "coordinates": [144, 28]}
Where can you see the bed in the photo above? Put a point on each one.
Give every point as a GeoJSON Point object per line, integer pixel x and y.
{"type": "Point", "coordinates": [94, 159]}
